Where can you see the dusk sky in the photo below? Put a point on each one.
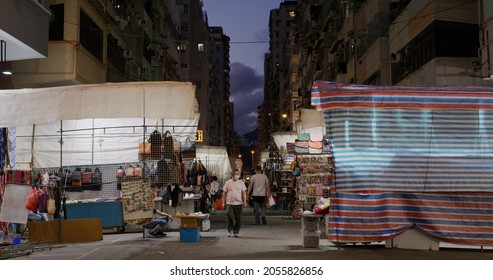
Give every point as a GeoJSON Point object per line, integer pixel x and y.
{"type": "Point", "coordinates": [247, 25]}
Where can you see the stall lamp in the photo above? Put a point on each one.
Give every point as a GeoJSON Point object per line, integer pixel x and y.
{"type": "Point", "coordinates": [7, 72]}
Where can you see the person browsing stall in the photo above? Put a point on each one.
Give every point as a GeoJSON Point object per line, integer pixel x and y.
{"type": "Point", "coordinates": [234, 198]}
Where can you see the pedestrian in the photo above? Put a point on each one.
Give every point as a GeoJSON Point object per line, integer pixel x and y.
{"type": "Point", "coordinates": [234, 197]}
{"type": "Point", "coordinates": [159, 223]}
{"type": "Point", "coordinates": [260, 185]}
{"type": "Point", "coordinates": [214, 190]}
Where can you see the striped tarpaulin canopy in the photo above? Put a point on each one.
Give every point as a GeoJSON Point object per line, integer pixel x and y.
{"type": "Point", "coordinates": [461, 218]}
{"type": "Point", "coordinates": [409, 141]}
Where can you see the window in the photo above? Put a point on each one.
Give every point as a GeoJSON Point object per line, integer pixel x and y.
{"type": "Point", "coordinates": [56, 22]}
{"type": "Point", "coordinates": [182, 47]}
{"type": "Point", "coordinates": [91, 36]}
{"type": "Point", "coordinates": [184, 65]}
{"type": "Point", "coordinates": [439, 39]}
{"type": "Point", "coordinates": [115, 54]}
{"type": "Point", "coordinates": [184, 27]}
{"type": "Point", "coordinates": [199, 65]}
{"type": "Point", "coordinates": [200, 47]}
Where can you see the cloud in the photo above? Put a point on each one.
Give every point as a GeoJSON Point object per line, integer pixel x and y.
{"type": "Point", "coordinates": [247, 93]}
{"type": "Point", "coordinates": [262, 35]}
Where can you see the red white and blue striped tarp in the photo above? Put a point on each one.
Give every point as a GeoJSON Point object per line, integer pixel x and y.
{"type": "Point", "coordinates": [409, 141]}
{"type": "Point", "coordinates": [330, 95]}
{"type": "Point", "coordinates": [460, 218]}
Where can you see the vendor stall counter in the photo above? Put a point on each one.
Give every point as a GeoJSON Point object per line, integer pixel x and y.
{"type": "Point", "coordinates": [187, 205]}
{"type": "Point", "coordinates": [110, 213]}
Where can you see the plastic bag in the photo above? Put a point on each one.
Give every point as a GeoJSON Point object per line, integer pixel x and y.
{"type": "Point", "coordinates": [50, 206]}
{"type": "Point", "coordinates": [218, 204]}
{"type": "Point", "coordinates": [271, 202]}
{"type": "Point", "coordinates": [32, 200]}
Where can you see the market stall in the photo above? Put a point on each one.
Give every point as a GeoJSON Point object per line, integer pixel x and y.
{"type": "Point", "coordinates": [409, 157]}
{"type": "Point", "coordinates": [88, 140]}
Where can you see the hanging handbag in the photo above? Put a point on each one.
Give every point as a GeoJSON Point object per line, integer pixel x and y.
{"type": "Point", "coordinates": [97, 180]}
{"type": "Point", "coordinates": [138, 171]}
{"type": "Point", "coordinates": [50, 206]}
{"type": "Point", "coordinates": [120, 174]}
{"type": "Point", "coordinates": [129, 172]}
{"type": "Point", "coordinates": [188, 149]}
{"type": "Point", "coordinates": [66, 177]}
{"type": "Point", "coordinates": [156, 142]}
{"type": "Point", "coordinates": [145, 148]}
{"type": "Point", "coordinates": [77, 177]}
{"type": "Point", "coordinates": [168, 145]}
{"type": "Point", "coordinates": [176, 145]}
{"type": "Point", "coordinates": [33, 200]}
{"type": "Point", "coordinates": [87, 176]}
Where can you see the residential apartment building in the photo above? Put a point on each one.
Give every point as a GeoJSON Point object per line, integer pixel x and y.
{"type": "Point", "coordinates": [485, 66]}
{"type": "Point", "coordinates": [280, 22]}
{"type": "Point", "coordinates": [435, 42]}
{"type": "Point", "coordinates": [105, 41]}
{"type": "Point", "coordinates": [18, 39]}
{"type": "Point", "coordinates": [222, 129]}
{"type": "Point", "coordinates": [398, 42]}
{"type": "Point", "coordinates": [92, 41]}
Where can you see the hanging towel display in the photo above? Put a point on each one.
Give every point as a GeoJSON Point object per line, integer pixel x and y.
{"type": "Point", "coordinates": [11, 144]}
{"type": "Point", "coordinates": [2, 148]}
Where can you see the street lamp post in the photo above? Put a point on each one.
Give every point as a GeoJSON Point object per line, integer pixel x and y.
{"type": "Point", "coordinates": [253, 156]}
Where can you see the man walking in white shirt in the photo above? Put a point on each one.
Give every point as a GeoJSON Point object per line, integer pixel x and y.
{"type": "Point", "coordinates": [234, 197]}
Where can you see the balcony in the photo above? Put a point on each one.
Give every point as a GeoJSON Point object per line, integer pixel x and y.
{"type": "Point", "coordinates": [24, 27]}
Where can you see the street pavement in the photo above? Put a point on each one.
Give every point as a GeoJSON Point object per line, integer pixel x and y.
{"type": "Point", "coordinates": [279, 239]}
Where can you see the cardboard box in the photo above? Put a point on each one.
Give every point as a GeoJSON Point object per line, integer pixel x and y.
{"type": "Point", "coordinates": [65, 231]}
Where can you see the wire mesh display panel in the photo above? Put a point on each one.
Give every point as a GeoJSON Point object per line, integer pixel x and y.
{"type": "Point", "coordinates": [97, 161]}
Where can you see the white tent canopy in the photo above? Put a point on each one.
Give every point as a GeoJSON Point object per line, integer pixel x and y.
{"type": "Point", "coordinates": [101, 123]}
{"type": "Point", "coordinates": [216, 160]}
{"type": "Point", "coordinates": [162, 100]}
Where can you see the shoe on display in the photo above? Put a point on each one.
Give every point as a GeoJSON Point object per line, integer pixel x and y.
{"type": "Point", "coordinates": [152, 234]}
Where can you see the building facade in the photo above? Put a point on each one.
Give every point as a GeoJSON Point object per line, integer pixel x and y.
{"type": "Point", "coordinates": [401, 42]}
{"type": "Point", "coordinates": [93, 41]}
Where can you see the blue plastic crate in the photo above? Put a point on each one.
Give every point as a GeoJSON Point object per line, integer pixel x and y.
{"type": "Point", "coordinates": [190, 234]}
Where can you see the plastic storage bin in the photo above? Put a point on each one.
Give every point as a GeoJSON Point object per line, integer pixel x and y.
{"type": "Point", "coordinates": [311, 224]}
{"type": "Point", "coordinates": [190, 234]}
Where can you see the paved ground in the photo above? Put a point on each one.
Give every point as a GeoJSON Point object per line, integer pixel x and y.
{"type": "Point", "coordinates": [280, 239]}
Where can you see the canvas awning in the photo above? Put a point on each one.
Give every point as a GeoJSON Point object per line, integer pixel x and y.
{"type": "Point", "coordinates": [97, 124]}
{"type": "Point", "coordinates": [161, 100]}
{"type": "Point", "coordinates": [216, 160]}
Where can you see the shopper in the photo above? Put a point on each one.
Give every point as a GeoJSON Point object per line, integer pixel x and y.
{"type": "Point", "coordinates": [214, 190]}
{"type": "Point", "coordinates": [234, 197]}
{"type": "Point", "coordinates": [157, 226]}
{"type": "Point", "coordinates": [260, 185]}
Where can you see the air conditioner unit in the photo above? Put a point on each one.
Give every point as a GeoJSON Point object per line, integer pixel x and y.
{"type": "Point", "coordinates": [128, 54]}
